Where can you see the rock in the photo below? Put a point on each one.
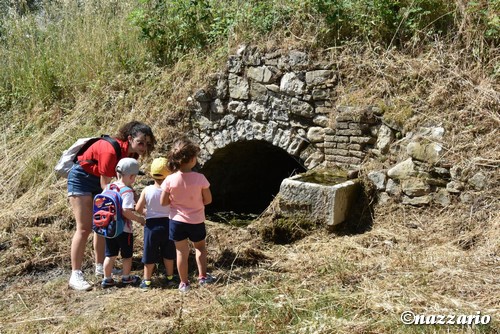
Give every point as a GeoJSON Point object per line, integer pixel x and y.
{"type": "Point", "coordinates": [217, 107]}
{"type": "Point", "coordinates": [260, 74]}
{"type": "Point", "coordinates": [314, 160]}
{"type": "Point", "coordinates": [238, 87]}
{"type": "Point", "coordinates": [467, 198]}
{"type": "Point", "coordinates": [202, 96]}
{"type": "Point", "coordinates": [291, 84]}
{"type": "Point", "coordinates": [442, 197]}
{"type": "Point", "coordinates": [415, 187]}
{"type": "Point", "coordinates": [257, 111]}
{"type": "Point", "coordinates": [378, 179]}
{"type": "Point", "coordinates": [301, 108]}
{"type": "Point", "coordinates": [427, 152]}
{"type": "Point", "coordinates": [238, 108]}
{"type": "Point", "coordinates": [455, 187]}
{"type": "Point", "coordinates": [383, 198]}
{"type": "Point", "coordinates": [385, 136]}
{"type": "Point", "coordinates": [417, 201]}
{"type": "Point", "coordinates": [478, 181]}
{"type": "Point", "coordinates": [392, 188]}
{"type": "Point", "coordinates": [234, 64]}
{"type": "Point", "coordinates": [319, 77]}
{"type": "Point", "coordinates": [322, 121]}
{"type": "Point", "coordinates": [316, 134]}
{"type": "Point", "coordinates": [434, 133]}
{"type": "Point", "coordinates": [456, 172]}
{"type": "Point", "coordinates": [402, 170]}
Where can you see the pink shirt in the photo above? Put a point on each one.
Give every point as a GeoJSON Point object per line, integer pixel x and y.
{"type": "Point", "coordinates": [185, 195]}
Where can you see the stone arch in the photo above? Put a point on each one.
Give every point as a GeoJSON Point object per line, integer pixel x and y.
{"type": "Point", "coordinates": [246, 175]}
{"type": "Point", "coordinates": [279, 97]}
{"type": "Point", "coordinates": [285, 101]}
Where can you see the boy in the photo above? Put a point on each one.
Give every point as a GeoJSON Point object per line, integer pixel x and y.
{"type": "Point", "coordinates": [126, 172]}
{"type": "Point", "coordinates": [157, 245]}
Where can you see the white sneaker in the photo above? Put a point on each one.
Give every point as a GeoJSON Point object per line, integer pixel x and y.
{"type": "Point", "coordinates": [78, 282]}
{"type": "Point", "coordinates": [99, 270]}
{"type": "Point", "coordinates": [206, 279]}
{"type": "Point", "coordinates": [183, 287]}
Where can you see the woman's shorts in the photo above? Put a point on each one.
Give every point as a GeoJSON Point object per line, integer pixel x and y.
{"type": "Point", "coordinates": [180, 231]}
{"type": "Point", "coordinates": [81, 183]}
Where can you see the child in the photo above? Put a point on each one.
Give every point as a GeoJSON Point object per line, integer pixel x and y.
{"type": "Point", "coordinates": [157, 244]}
{"type": "Point", "coordinates": [187, 192]}
{"type": "Point", "coordinates": [126, 172]}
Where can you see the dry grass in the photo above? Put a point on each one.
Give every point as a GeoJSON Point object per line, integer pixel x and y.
{"type": "Point", "coordinates": [429, 260]}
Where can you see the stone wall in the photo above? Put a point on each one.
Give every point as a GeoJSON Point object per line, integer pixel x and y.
{"type": "Point", "coordinates": [289, 101]}
{"type": "Point", "coordinates": [281, 97]}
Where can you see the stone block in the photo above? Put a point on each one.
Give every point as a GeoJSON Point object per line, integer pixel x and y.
{"type": "Point", "coordinates": [238, 87]}
{"type": "Point", "coordinates": [260, 74]}
{"type": "Point", "coordinates": [329, 204]}
{"type": "Point", "coordinates": [417, 201]}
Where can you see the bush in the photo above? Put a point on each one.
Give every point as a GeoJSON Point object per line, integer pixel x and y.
{"type": "Point", "coordinates": [175, 28]}
{"type": "Point", "coordinates": [50, 52]}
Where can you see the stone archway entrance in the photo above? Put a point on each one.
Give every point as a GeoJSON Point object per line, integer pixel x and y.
{"type": "Point", "coordinates": [246, 175]}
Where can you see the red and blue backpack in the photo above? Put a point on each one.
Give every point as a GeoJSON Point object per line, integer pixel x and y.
{"type": "Point", "coordinates": [108, 220]}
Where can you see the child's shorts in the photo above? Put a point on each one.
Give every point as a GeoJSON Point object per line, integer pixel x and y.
{"type": "Point", "coordinates": [180, 231]}
{"type": "Point", "coordinates": [81, 183]}
{"type": "Point", "coordinates": [157, 245]}
{"type": "Point", "coordinates": [123, 244]}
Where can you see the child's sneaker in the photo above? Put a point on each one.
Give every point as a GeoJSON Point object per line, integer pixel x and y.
{"type": "Point", "coordinates": [145, 285]}
{"type": "Point", "coordinates": [132, 279]}
{"type": "Point", "coordinates": [78, 282]}
{"type": "Point", "coordinates": [172, 281]}
{"type": "Point", "coordinates": [184, 287]}
{"type": "Point", "coordinates": [206, 279]}
{"type": "Point", "coordinates": [99, 270]}
{"type": "Point", "coordinates": [108, 282]}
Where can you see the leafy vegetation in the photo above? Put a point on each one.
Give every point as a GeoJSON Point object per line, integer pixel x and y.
{"type": "Point", "coordinates": [55, 49]}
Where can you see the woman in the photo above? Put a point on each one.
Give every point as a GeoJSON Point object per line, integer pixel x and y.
{"type": "Point", "coordinates": [90, 175]}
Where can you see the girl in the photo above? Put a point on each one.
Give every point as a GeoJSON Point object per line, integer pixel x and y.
{"type": "Point", "coordinates": [187, 192]}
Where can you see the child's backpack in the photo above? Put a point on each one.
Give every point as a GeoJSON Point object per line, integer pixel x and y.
{"type": "Point", "coordinates": [69, 157]}
{"type": "Point", "coordinates": [108, 220]}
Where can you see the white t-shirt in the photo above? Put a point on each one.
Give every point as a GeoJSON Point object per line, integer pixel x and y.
{"type": "Point", "coordinates": [128, 202]}
{"type": "Point", "coordinates": [154, 209]}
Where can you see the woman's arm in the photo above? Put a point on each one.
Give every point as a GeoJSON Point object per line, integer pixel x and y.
{"type": "Point", "coordinates": [105, 180]}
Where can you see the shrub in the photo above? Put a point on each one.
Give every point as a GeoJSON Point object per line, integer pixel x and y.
{"type": "Point", "coordinates": [51, 51]}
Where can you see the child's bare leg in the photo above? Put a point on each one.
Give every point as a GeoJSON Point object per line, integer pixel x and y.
{"type": "Point", "coordinates": [201, 257]}
{"type": "Point", "coordinates": [169, 266]}
{"type": "Point", "coordinates": [108, 265]}
{"type": "Point", "coordinates": [127, 266]}
{"type": "Point", "coordinates": [99, 247]}
{"type": "Point", "coordinates": [182, 249]}
{"type": "Point", "coordinates": [148, 271]}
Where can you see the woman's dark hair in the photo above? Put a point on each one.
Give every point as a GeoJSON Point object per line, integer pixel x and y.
{"type": "Point", "coordinates": [182, 151]}
{"type": "Point", "coordinates": [133, 129]}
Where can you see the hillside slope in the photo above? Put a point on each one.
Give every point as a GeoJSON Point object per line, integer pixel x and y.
{"type": "Point", "coordinates": [431, 260]}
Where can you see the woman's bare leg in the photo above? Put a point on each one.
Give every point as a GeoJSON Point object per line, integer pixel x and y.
{"type": "Point", "coordinates": [82, 210]}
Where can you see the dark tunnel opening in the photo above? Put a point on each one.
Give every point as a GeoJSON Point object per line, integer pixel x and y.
{"type": "Point", "coordinates": [245, 176]}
